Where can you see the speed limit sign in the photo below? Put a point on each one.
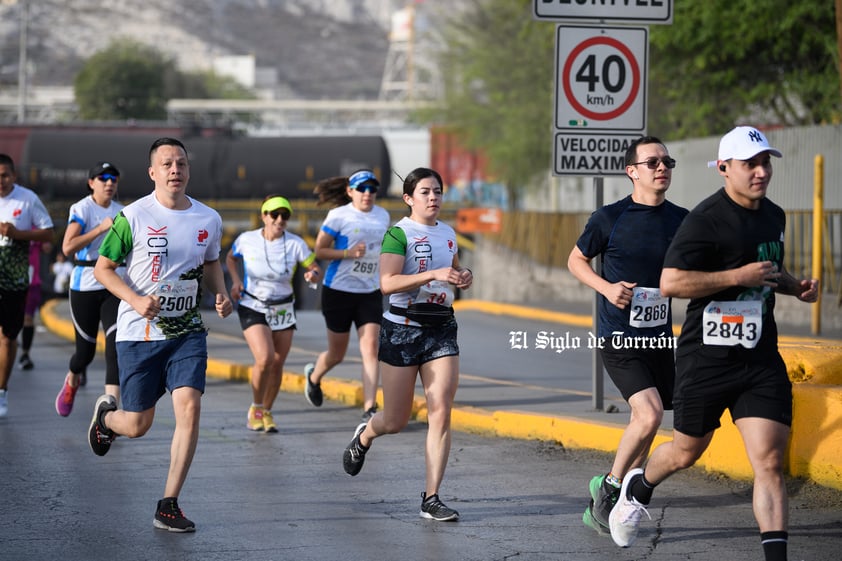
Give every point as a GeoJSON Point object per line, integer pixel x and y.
{"type": "Point", "coordinates": [601, 78]}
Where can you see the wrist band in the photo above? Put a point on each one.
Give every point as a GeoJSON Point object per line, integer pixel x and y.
{"type": "Point", "coordinates": [345, 254]}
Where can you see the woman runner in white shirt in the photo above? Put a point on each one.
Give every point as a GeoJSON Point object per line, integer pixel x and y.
{"type": "Point", "coordinates": [419, 268]}
{"type": "Point", "coordinates": [350, 239]}
{"type": "Point", "coordinates": [91, 304]}
{"type": "Point", "coordinates": [268, 258]}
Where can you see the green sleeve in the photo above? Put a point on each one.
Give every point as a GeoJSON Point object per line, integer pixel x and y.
{"type": "Point", "coordinates": [394, 241]}
{"type": "Point", "coordinates": [118, 241]}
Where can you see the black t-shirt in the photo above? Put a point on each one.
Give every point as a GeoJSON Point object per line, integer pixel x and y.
{"type": "Point", "coordinates": [632, 239]}
{"type": "Point", "coordinates": [719, 235]}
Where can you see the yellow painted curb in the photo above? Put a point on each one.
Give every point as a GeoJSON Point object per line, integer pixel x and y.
{"type": "Point", "coordinates": [522, 312]}
{"type": "Point", "coordinates": [813, 362]}
{"type": "Point", "coordinates": [816, 453]}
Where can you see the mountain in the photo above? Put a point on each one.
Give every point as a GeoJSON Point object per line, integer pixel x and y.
{"type": "Point", "coordinates": [319, 49]}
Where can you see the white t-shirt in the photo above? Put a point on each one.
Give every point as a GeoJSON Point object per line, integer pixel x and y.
{"type": "Point", "coordinates": [269, 266]}
{"type": "Point", "coordinates": [88, 214]}
{"type": "Point", "coordinates": [23, 209]}
{"type": "Point", "coordinates": [425, 248]}
{"type": "Point", "coordinates": [165, 251]}
{"type": "Point", "coordinates": [349, 226]}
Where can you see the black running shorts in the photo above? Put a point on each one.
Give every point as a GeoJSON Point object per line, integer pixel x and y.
{"type": "Point", "coordinates": [409, 345]}
{"type": "Point", "coordinates": [706, 386]}
{"type": "Point", "coordinates": [634, 370]}
{"type": "Point", "coordinates": [341, 308]}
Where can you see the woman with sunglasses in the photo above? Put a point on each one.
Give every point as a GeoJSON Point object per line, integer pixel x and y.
{"type": "Point", "coordinates": [419, 269]}
{"type": "Point", "coordinates": [262, 264]}
{"type": "Point", "coordinates": [90, 302]}
{"type": "Point", "coordinates": [350, 239]}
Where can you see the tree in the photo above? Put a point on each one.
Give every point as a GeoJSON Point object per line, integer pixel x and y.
{"type": "Point", "coordinates": [721, 62]}
{"type": "Point", "coordinates": [206, 85]}
{"type": "Point", "coordinates": [129, 80]}
{"type": "Point", "coordinates": [498, 84]}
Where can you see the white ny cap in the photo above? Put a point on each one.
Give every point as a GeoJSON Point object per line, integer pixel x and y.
{"type": "Point", "coordinates": [744, 143]}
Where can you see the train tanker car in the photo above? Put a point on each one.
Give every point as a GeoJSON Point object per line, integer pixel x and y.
{"type": "Point", "coordinates": [54, 162]}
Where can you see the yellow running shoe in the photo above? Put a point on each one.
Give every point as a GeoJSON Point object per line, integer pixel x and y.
{"type": "Point", "coordinates": [269, 422]}
{"type": "Point", "coordinates": [255, 418]}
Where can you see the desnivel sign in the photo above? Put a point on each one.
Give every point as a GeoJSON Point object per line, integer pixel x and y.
{"type": "Point", "coordinates": [637, 11]}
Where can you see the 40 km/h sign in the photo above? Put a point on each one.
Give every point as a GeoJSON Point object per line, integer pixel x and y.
{"type": "Point", "coordinates": [601, 77]}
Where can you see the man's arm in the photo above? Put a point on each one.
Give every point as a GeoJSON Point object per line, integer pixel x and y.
{"type": "Point", "coordinates": [42, 235]}
{"type": "Point", "coordinates": [618, 293]}
{"type": "Point", "coordinates": [105, 271]}
{"type": "Point", "coordinates": [806, 290]}
{"type": "Point", "coordinates": [37, 235]}
{"type": "Point", "coordinates": [679, 283]}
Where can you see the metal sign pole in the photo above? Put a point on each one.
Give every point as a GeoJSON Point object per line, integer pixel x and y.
{"type": "Point", "coordinates": [597, 378]}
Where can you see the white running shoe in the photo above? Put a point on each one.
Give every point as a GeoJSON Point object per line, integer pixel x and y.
{"type": "Point", "coordinates": [624, 519]}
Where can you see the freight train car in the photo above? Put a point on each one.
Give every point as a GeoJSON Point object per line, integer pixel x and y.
{"type": "Point", "coordinates": [54, 161]}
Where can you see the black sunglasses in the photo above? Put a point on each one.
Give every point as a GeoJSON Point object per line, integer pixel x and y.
{"type": "Point", "coordinates": [366, 188]}
{"type": "Point", "coordinates": [652, 163]}
{"type": "Point", "coordinates": [284, 214]}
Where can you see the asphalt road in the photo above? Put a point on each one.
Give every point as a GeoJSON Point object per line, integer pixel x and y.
{"type": "Point", "coordinates": [285, 496]}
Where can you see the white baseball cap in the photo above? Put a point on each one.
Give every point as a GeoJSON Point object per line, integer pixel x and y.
{"type": "Point", "coordinates": [744, 143]}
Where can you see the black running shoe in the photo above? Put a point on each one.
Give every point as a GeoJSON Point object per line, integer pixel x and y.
{"type": "Point", "coordinates": [434, 509]}
{"type": "Point", "coordinates": [369, 413]}
{"type": "Point", "coordinates": [589, 521]}
{"type": "Point", "coordinates": [26, 362]}
{"type": "Point", "coordinates": [354, 456]}
{"type": "Point", "coordinates": [604, 497]}
{"type": "Point", "coordinates": [168, 516]}
{"type": "Point", "coordinates": [313, 392]}
{"type": "Point", "coordinates": [99, 437]}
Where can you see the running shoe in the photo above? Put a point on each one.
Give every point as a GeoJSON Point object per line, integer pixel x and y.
{"type": "Point", "coordinates": [269, 422]}
{"type": "Point", "coordinates": [26, 362]}
{"type": "Point", "coordinates": [354, 456]}
{"type": "Point", "coordinates": [369, 413]}
{"type": "Point", "coordinates": [434, 509]}
{"type": "Point", "coordinates": [604, 496]}
{"type": "Point", "coordinates": [4, 404]}
{"type": "Point", "coordinates": [168, 516]}
{"type": "Point", "coordinates": [65, 397]}
{"type": "Point", "coordinates": [624, 520]}
{"type": "Point", "coordinates": [590, 521]}
{"type": "Point", "coordinates": [313, 392]}
{"type": "Point", "coordinates": [99, 437]}
{"type": "Point", "coordinates": [255, 418]}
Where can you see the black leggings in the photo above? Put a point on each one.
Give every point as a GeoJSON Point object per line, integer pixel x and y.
{"type": "Point", "coordinates": [88, 309]}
